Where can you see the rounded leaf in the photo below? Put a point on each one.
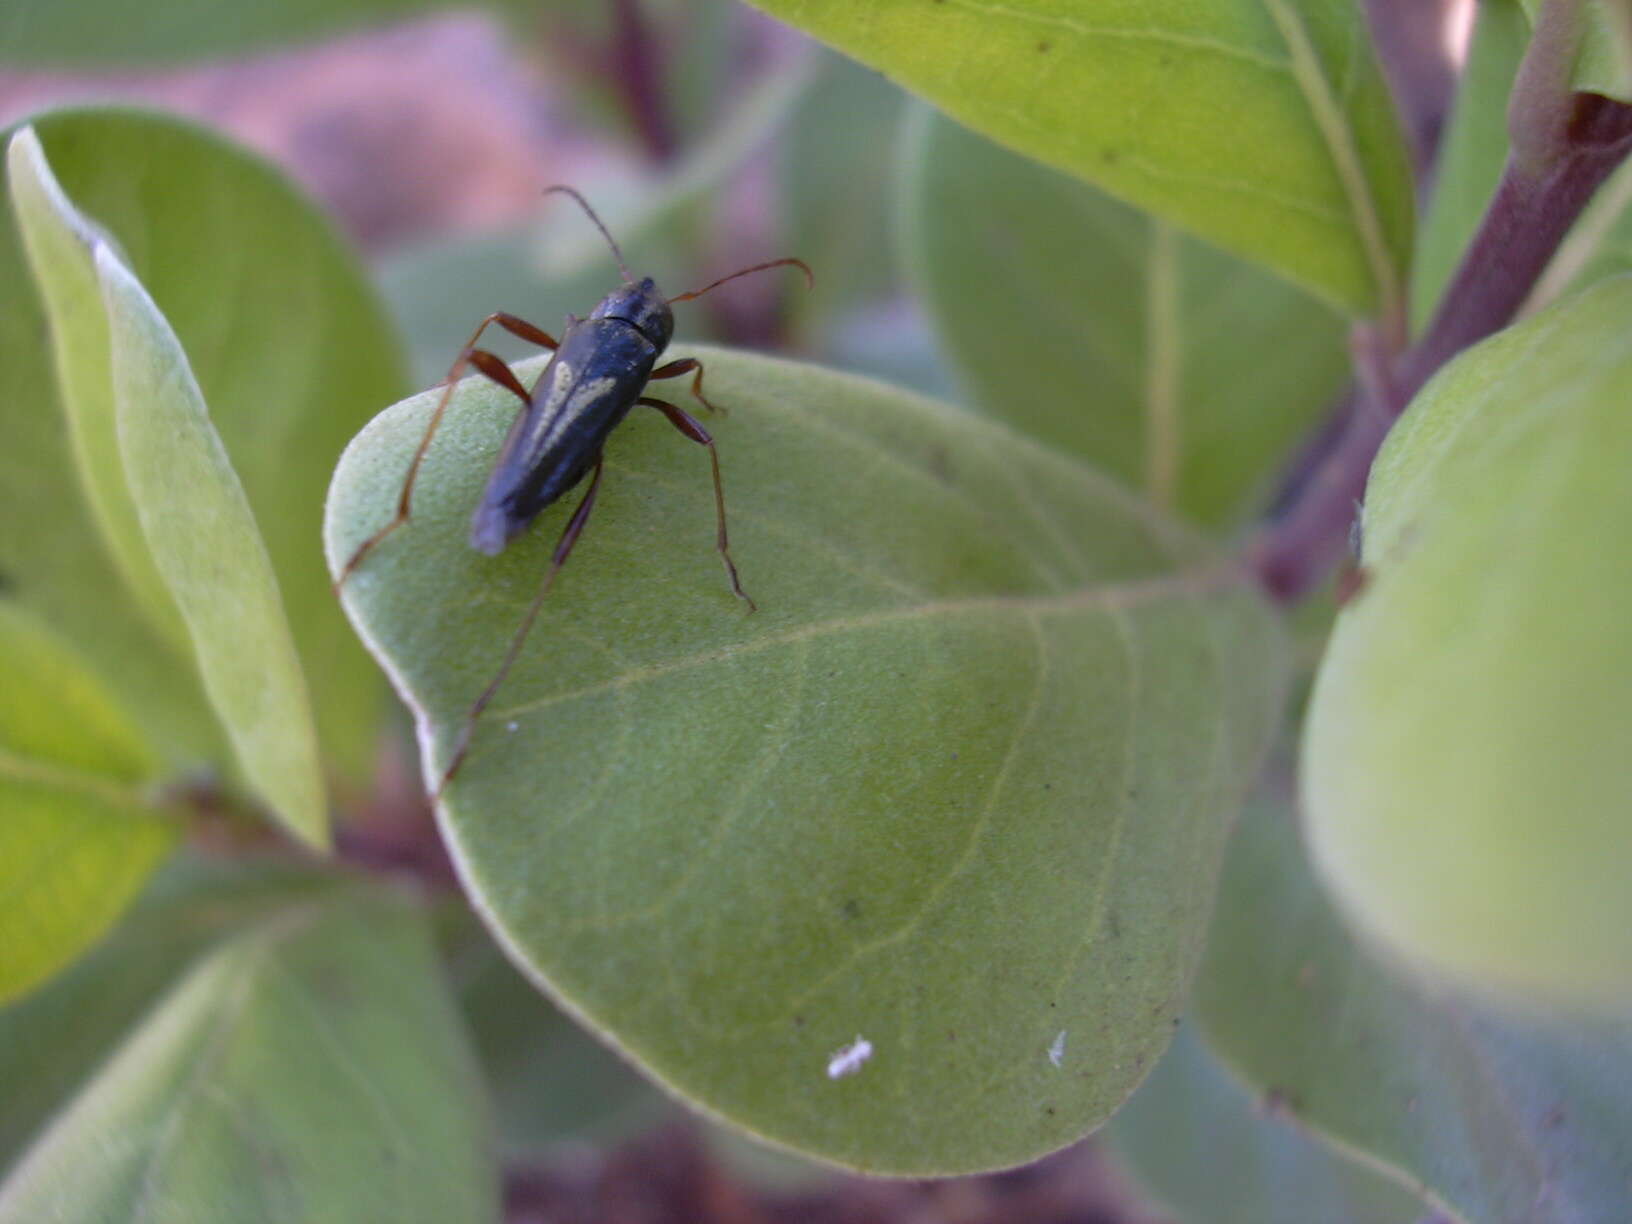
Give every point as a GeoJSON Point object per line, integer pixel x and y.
{"type": "Point", "coordinates": [959, 784]}
{"type": "Point", "coordinates": [1465, 762]}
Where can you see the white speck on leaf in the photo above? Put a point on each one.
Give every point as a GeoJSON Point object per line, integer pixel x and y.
{"type": "Point", "coordinates": [849, 1060]}
{"type": "Point", "coordinates": [1056, 1052]}
{"type": "Point", "coordinates": [511, 726]}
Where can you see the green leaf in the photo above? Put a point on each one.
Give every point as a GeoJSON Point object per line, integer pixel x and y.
{"type": "Point", "coordinates": [1472, 152]}
{"type": "Point", "coordinates": [1198, 1141]}
{"type": "Point", "coordinates": [59, 242]}
{"type": "Point", "coordinates": [80, 834]}
{"type": "Point", "coordinates": [197, 532]}
{"type": "Point", "coordinates": [958, 785]}
{"type": "Point", "coordinates": [550, 1082]}
{"type": "Point", "coordinates": [1464, 746]}
{"type": "Point", "coordinates": [312, 1068]}
{"type": "Point", "coordinates": [1108, 334]}
{"type": "Point", "coordinates": [290, 347]}
{"type": "Point", "coordinates": [836, 162]}
{"type": "Point", "coordinates": [95, 33]}
{"type": "Point", "coordinates": [54, 1037]}
{"type": "Point", "coordinates": [203, 537]}
{"type": "Point", "coordinates": [1263, 126]}
{"type": "Point", "coordinates": [1495, 1117]}
{"type": "Point", "coordinates": [1603, 58]}
{"type": "Point", "coordinates": [52, 557]}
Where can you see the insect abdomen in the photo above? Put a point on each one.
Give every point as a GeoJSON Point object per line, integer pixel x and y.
{"type": "Point", "coordinates": [586, 389]}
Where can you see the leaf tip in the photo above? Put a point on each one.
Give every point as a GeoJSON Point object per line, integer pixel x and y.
{"type": "Point", "coordinates": [23, 152]}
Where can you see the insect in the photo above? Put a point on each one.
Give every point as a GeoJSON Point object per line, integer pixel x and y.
{"type": "Point", "coordinates": [599, 369]}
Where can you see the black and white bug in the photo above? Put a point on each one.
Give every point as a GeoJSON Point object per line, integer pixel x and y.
{"type": "Point", "coordinates": [599, 369]}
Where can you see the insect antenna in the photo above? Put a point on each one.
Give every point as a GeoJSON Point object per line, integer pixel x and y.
{"type": "Point", "coordinates": [628, 277]}
{"type": "Point", "coordinates": [810, 281]}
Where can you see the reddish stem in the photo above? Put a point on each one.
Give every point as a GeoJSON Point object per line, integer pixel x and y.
{"type": "Point", "coordinates": [1564, 146]}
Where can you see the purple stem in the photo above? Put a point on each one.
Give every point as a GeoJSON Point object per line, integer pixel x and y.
{"type": "Point", "coordinates": [1538, 199]}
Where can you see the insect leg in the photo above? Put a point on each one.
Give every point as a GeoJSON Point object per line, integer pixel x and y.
{"type": "Point", "coordinates": [688, 425]}
{"type": "Point", "coordinates": [685, 366]}
{"type": "Point", "coordinates": [483, 361]}
{"type": "Point", "coordinates": [563, 549]}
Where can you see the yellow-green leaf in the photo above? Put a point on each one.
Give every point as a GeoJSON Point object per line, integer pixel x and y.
{"type": "Point", "coordinates": [1263, 126]}
{"type": "Point", "coordinates": [79, 831]}
{"type": "Point", "coordinates": [1465, 764]}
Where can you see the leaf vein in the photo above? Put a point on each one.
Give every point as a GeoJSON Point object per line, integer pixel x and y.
{"type": "Point", "coordinates": [1130, 594]}
{"type": "Point", "coordinates": [1190, 42]}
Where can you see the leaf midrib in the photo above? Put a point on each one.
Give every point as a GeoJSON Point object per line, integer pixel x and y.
{"type": "Point", "coordinates": [15, 767]}
{"type": "Point", "coordinates": [1337, 135]}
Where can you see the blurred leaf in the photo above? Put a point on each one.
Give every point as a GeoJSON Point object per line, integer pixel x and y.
{"type": "Point", "coordinates": [550, 1081]}
{"type": "Point", "coordinates": [1261, 125]}
{"type": "Point", "coordinates": [836, 164]}
{"type": "Point", "coordinates": [197, 531]}
{"type": "Point", "coordinates": [52, 1039]}
{"type": "Point", "coordinates": [1103, 332]}
{"type": "Point", "coordinates": [1464, 767]}
{"type": "Point", "coordinates": [704, 47]}
{"type": "Point", "coordinates": [79, 834]}
{"type": "Point", "coordinates": [1500, 1118]}
{"type": "Point", "coordinates": [699, 48]}
{"type": "Point", "coordinates": [1603, 61]}
{"type": "Point", "coordinates": [958, 785]}
{"type": "Point", "coordinates": [440, 291]}
{"type": "Point", "coordinates": [99, 33]}
{"type": "Point", "coordinates": [893, 341]}
{"type": "Point", "coordinates": [312, 1068]}
{"type": "Point", "coordinates": [290, 347]}
{"type": "Point", "coordinates": [1199, 1142]}
{"type": "Point", "coordinates": [1471, 153]}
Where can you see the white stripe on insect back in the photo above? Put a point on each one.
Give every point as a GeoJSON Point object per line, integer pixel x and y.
{"type": "Point", "coordinates": [563, 405]}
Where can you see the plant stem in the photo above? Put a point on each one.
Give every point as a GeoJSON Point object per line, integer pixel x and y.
{"type": "Point", "coordinates": [1564, 145]}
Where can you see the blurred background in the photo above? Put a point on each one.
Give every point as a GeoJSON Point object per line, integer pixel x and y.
{"type": "Point", "coordinates": [708, 138]}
